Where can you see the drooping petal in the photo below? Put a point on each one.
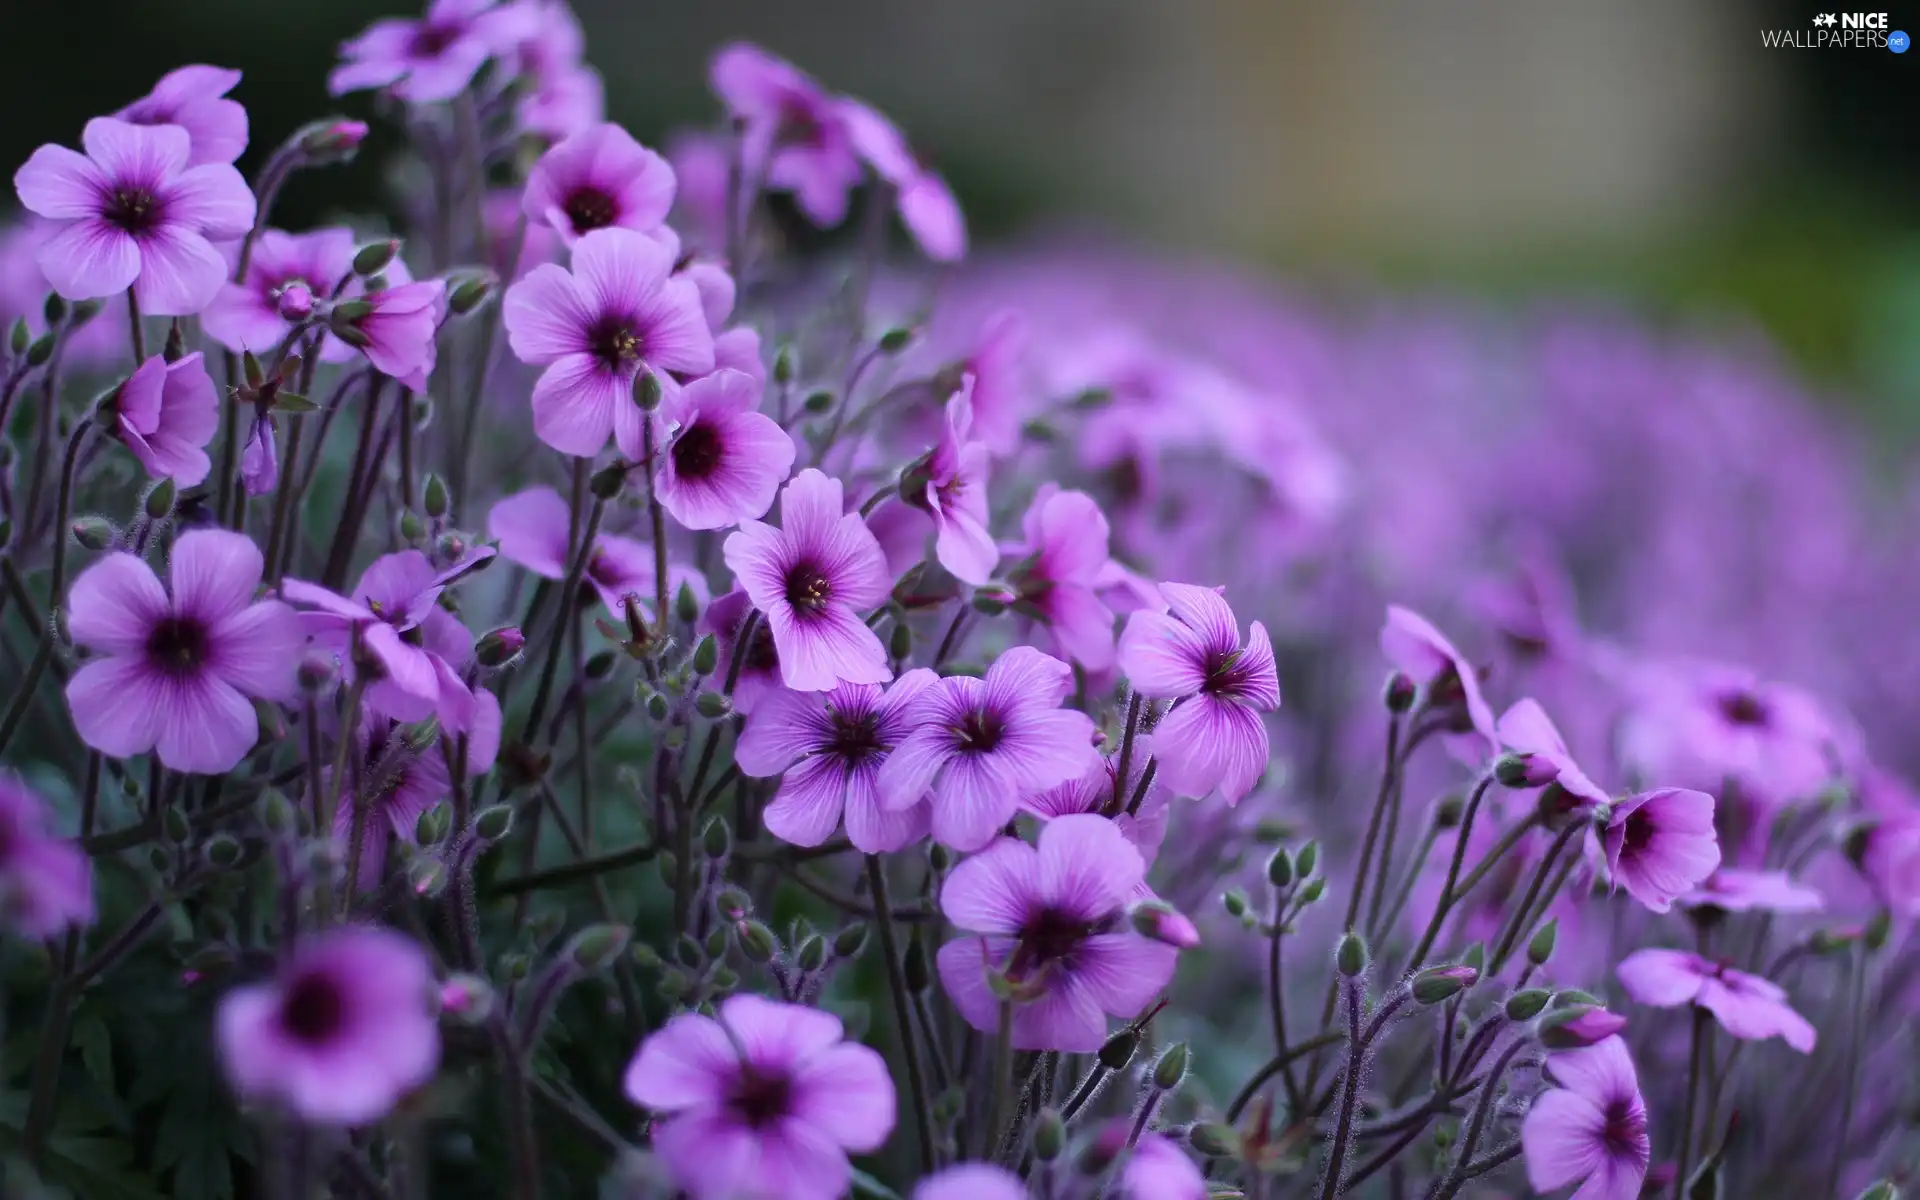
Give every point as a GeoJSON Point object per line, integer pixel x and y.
{"type": "Point", "coordinates": [532, 529]}
{"type": "Point", "coordinates": [1662, 978]}
{"type": "Point", "coordinates": [573, 404]}
{"type": "Point", "coordinates": [1207, 744]}
{"type": "Point", "coordinates": [1564, 1139]}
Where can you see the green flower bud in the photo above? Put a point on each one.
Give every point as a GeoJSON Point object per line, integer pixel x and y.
{"type": "Point", "coordinates": [433, 826]}
{"type": "Point", "coordinates": [716, 943]}
{"type": "Point", "coordinates": [1525, 1006]}
{"type": "Point", "coordinates": [471, 292]}
{"type": "Point", "coordinates": [224, 850]}
{"type": "Point", "coordinates": [1048, 1136]}
{"type": "Point", "coordinates": [434, 497]}
{"type": "Point", "coordinates": [706, 655]}
{"type": "Point", "coordinates": [657, 707]}
{"type": "Point", "coordinates": [1307, 860]}
{"type": "Point", "coordinates": [894, 340]}
{"type": "Point", "coordinates": [1171, 1067]}
{"type": "Point", "coordinates": [1235, 902]}
{"type": "Point", "coordinates": [1436, 984]}
{"type": "Point", "coordinates": [427, 876]}
{"type": "Point", "coordinates": [1568, 997]}
{"type": "Point", "coordinates": [1400, 692]}
{"type": "Point", "coordinates": [1280, 868]}
{"type": "Point", "coordinates": [1117, 1051]}
{"type": "Point", "coordinates": [94, 533]}
{"type": "Point", "coordinates": [818, 402]}
{"type": "Point", "coordinates": [1212, 1140]}
{"type": "Point", "coordinates": [1880, 1190]}
{"type": "Point", "coordinates": [713, 705]}
{"type": "Point", "coordinates": [1350, 957]}
{"type": "Point", "coordinates": [688, 952]}
{"type": "Point", "coordinates": [1540, 945]}
{"type": "Point", "coordinates": [686, 605]}
{"type": "Point", "coordinates": [914, 967]}
{"type": "Point", "coordinates": [900, 641]}
{"type": "Point", "coordinates": [646, 391]}
{"type": "Point", "coordinates": [756, 941]}
{"type": "Point", "coordinates": [732, 904]}
{"type": "Point", "coordinates": [595, 947]}
{"type": "Point", "coordinates": [785, 364]}
{"type": "Point", "coordinates": [812, 954]}
{"type": "Point", "coordinates": [608, 482]}
{"type": "Point", "coordinates": [19, 337]}
{"type": "Point", "coordinates": [173, 823]}
{"type": "Point", "coordinates": [276, 812]}
{"type": "Point", "coordinates": [1311, 893]}
{"type": "Point", "coordinates": [717, 839]}
{"type": "Point", "coordinates": [159, 502]}
{"type": "Point", "coordinates": [849, 942]}
{"type": "Point", "coordinates": [40, 351]}
{"type": "Point", "coordinates": [494, 822]}
{"type": "Point", "coordinates": [375, 257]}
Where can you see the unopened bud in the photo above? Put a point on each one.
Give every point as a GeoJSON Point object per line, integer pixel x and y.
{"type": "Point", "coordinates": [1447, 813]}
{"type": "Point", "coordinates": [646, 391]}
{"type": "Point", "coordinates": [756, 941]}
{"type": "Point", "coordinates": [1525, 1006]}
{"type": "Point", "coordinates": [1882, 1189]}
{"type": "Point", "coordinates": [713, 705]}
{"type": "Point", "coordinates": [1436, 984]}
{"type": "Point", "coordinates": [433, 825]}
{"type": "Point", "coordinates": [785, 364]}
{"type": "Point", "coordinates": [595, 947]}
{"type": "Point", "coordinates": [894, 340]}
{"type": "Point", "coordinates": [1162, 922]}
{"type": "Point", "coordinates": [1400, 692]}
{"type": "Point", "coordinates": [1524, 771]}
{"type": "Point", "coordinates": [1235, 902]}
{"type": "Point", "coordinates": [609, 481]}
{"type": "Point", "coordinates": [1540, 945]}
{"type": "Point", "coordinates": [1171, 1067]}
{"type": "Point", "coordinates": [427, 877]}
{"type": "Point", "coordinates": [818, 402]}
{"type": "Point", "coordinates": [175, 827]}
{"type": "Point", "coordinates": [849, 942]}
{"type": "Point", "coordinates": [601, 665]}
{"type": "Point", "coordinates": [717, 839]}
{"type": "Point", "coordinates": [1350, 957]}
{"type": "Point", "coordinates": [94, 533]}
{"type": "Point", "coordinates": [1579, 1027]}
{"type": "Point", "coordinates": [434, 497]}
{"type": "Point", "coordinates": [812, 954]}
{"type": "Point", "coordinates": [470, 292]}
{"type": "Point", "coordinates": [40, 351]}
{"type": "Point", "coordinates": [223, 850]}
{"type": "Point", "coordinates": [686, 605]}
{"type": "Point", "coordinates": [317, 669]}
{"type": "Point", "coordinates": [294, 302]}
{"type": "Point", "coordinates": [494, 822]}
{"type": "Point", "coordinates": [276, 812]}
{"type": "Point", "coordinates": [706, 655]}
{"type": "Point", "coordinates": [732, 904]}
{"type": "Point", "coordinates": [499, 647]}
{"type": "Point", "coordinates": [1117, 1051]}
{"type": "Point", "coordinates": [1213, 1140]}
{"type": "Point", "coordinates": [84, 311]}
{"type": "Point", "coordinates": [1049, 1135]}
{"type": "Point", "coordinates": [688, 953]}
{"type": "Point", "coordinates": [19, 337]}
{"type": "Point", "coordinates": [421, 734]}
{"type": "Point", "coordinates": [657, 707]}
{"type": "Point", "coordinates": [900, 641]}
{"type": "Point", "coordinates": [1572, 997]}
{"type": "Point", "coordinates": [1311, 893]}
{"type": "Point", "coordinates": [159, 502]}
{"type": "Point", "coordinates": [466, 998]}
{"type": "Point", "coordinates": [331, 141]}
{"type": "Point", "coordinates": [914, 967]}
{"type": "Point", "coordinates": [1307, 860]}
{"type": "Point", "coordinates": [1280, 868]}
{"type": "Point", "coordinates": [375, 257]}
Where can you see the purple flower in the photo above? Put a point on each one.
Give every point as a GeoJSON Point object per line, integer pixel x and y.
{"type": "Point", "coordinates": [1747, 1006]}
{"type": "Point", "coordinates": [259, 461]}
{"type": "Point", "coordinates": [982, 746]}
{"type": "Point", "coordinates": [1591, 1129]}
{"type": "Point", "coordinates": [1159, 1170]}
{"type": "Point", "coordinates": [400, 331]}
{"type": "Point", "coordinates": [617, 313]}
{"type": "Point", "coordinates": [251, 314]}
{"type": "Point", "coordinates": [1661, 845]}
{"type": "Point", "coordinates": [566, 96]}
{"type": "Point", "coordinates": [166, 413]}
{"type": "Point", "coordinates": [925, 203]}
{"type": "Point", "coordinates": [1052, 919]}
{"type": "Point", "coordinates": [1890, 858]}
{"type": "Point", "coordinates": [1213, 740]}
{"type": "Point", "coordinates": [972, 1181]}
{"type": "Point", "coordinates": [1526, 730]}
{"type": "Point", "coordinates": [46, 882]}
{"type": "Point", "coordinates": [1064, 552]}
{"type": "Point", "coordinates": [396, 783]}
{"type": "Point", "coordinates": [340, 1035]}
{"type": "Point", "coordinates": [176, 671]}
{"type": "Point", "coordinates": [532, 528]}
{"type": "Point", "coordinates": [793, 130]}
{"type": "Point", "coordinates": [956, 494]}
{"type": "Point", "coordinates": [831, 754]}
{"type": "Point", "coordinates": [724, 460]}
{"type": "Point", "coordinates": [1452, 687]}
{"type": "Point", "coordinates": [194, 98]}
{"type": "Point", "coordinates": [811, 579]}
{"type": "Point", "coordinates": [1735, 890]}
{"type": "Point", "coordinates": [1093, 792]}
{"type": "Point", "coordinates": [760, 673]}
{"type": "Point", "coordinates": [423, 61]}
{"type": "Point", "coordinates": [24, 287]}
{"type": "Point", "coordinates": [134, 214]}
{"type": "Point", "coordinates": [599, 179]}
{"type": "Point", "coordinates": [765, 1101]}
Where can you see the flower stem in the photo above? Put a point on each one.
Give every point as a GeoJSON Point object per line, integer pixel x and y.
{"type": "Point", "coordinates": [1000, 1098]}
{"type": "Point", "coordinates": [1126, 755]}
{"type": "Point", "coordinates": [349, 719]}
{"type": "Point", "coordinates": [138, 336]}
{"type": "Point", "coordinates": [902, 1010]}
{"type": "Point", "coordinates": [1696, 1061]}
{"type": "Point", "coordinates": [656, 520]}
{"type": "Point", "coordinates": [1349, 1096]}
{"type": "Point", "coordinates": [1856, 1041]}
{"type": "Point", "coordinates": [1524, 916]}
{"type": "Point", "coordinates": [62, 508]}
{"type": "Point", "coordinates": [1448, 895]}
{"type": "Point", "coordinates": [1278, 1063]}
{"type": "Point", "coordinates": [1277, 1000]}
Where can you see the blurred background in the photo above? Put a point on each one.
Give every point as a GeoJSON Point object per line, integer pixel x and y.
{"type": "Point", "coordinates": [1646, 150]}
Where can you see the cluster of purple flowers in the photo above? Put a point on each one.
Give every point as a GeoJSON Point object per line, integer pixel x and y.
{"type": "Point", "coordinates": [811, 723]}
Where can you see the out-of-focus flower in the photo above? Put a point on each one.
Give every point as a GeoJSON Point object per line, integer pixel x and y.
{"type": "Point", "coordinates": [1093, 791]}
{"type": "Point", "coordinates": [1451, 686]}
{"type": "Point", "coordinates": [723, 459]}
{"type": "Point", "coordinates": [1747, 1006]}
{"type": "Point", "coordinates": [562, 95]}
{"type": "Point", "coordinates": [259, 460]}
{"type": "Point", "coordinates": [972, 1181]}
{"type": "Point", "coordinates": [955, 494]}
{"type": "Point", "coordinates": [1051, 919]}
{"type": "Point", "coordinates": [512, 243]}
{"type": "Point", "coordinates": [1735, 890]}
{"type": "Point", "coordinates": [133, 213]}
{"type": "Point", "coordinates": [532, 528]}
{"type": "Point", "coordinates": [398, 785]}
{"type": "Point", "coordinates": [177, 672]}
{"type": "Point", "coordinates": [1661, 845]}
{"type": "Point", "coordinates": [1060, 562]}
{"type": "Point", "coordinates": [1214, 739]}
{"type": "Point", "coordinates": [194, 98]}
{"type": "Point", "coordinates": [599, 179]}
{"type": "Point", "coordinates": [46, 882]}
{"type": "Point", "coordinates": [341, 1034]}
{"type": "Point", "coordinates": [794, 131]}
{"type": "Point", "coordinates": [810, 579]}
{"type": "Point", "coordinates": [980, 745]}
{"type": "Point", "coordinates": [166, 413]}
{"type": "Point", "coordinates": [760, 673]}
{"type": "Point", "coordinates": [423, 61]}
{"type": "Point", "coordinates": [925, 203]}
{"type": "Point", "coordinates": [1591, 1128]}
{"type": "Point", "coordinates": [764, 1100]}
{"type": "Point", "coordinates": [829, 748]}
{"type": "Point", "coordinates": [252, 314]}
{"type": "Point", "coordinates": [1159, 1170]}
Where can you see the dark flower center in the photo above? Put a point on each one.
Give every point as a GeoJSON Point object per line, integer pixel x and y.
{"type": "Point", "coordinates": [1049, 936]}
{"type": "Point", "coordinates": [614, 342]}
{"type": "Point", "coordinates": [313, 1010]}
{"type": "Point", "coordinates": [1625, 1133]}
{"type": "Point", "coordinates": [1639, 832]}
{"type": "Point", "coordinates": [178, 646]}
{"type": "Point", "coordinates": [1226, 674]}
{"type": "Point", "coordinates": [697, 451]}
{"type": "Point", "coordinates": [760, 1098]}
{"type": "Point", "coordinates": [856, 736]}
{"type": "Point", "coordinates": [600, 571]}
{"type": "Point", "coordinates": [797, 124]}
{"type": "Point", "coordinates": [1743, 708]}
{"type": "Point", "coordinates": [431, 41]}
{"type": "Point", "coordinates": [979, 731]}
{"type": "Point", "coordinates": [809, 590]}
{"type": "Point", "coordinates": [132, 208]}
{"type": "Point", "coordinates": [761, 654]}
{"type": "Point", "coordinates": [589, 208]}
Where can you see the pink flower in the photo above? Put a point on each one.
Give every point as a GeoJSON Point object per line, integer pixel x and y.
{"type": "Point", "coordinates": [532, 528]}
{"type": "Point", "coordinates": [563, 95]}
{"type": "Point", "coordinates": [259, 460]}
{"type": "Point", "coordinates": [956, 494]}
{"type": "Point", "coordinates": [400, 332]}
{"type": "Point", "coordinates": [1093, 791]}
{"type": "Point", "coordinates": [340, 1034]}
{"type": "Point", "coordinates": [794, 130]}
{"type": "Point", "coordinates": [252, 314]}
{"type": "Point", "coordinates": [701, 164]}
{"type": "Point", "coordinates": [925, 203]}
{"type": "Point", "coordinates": [724, 460]}
{"type": "Point", "coordinates": [176, 671]}
{"type": "Point", "coordinates": [972, 1181]}
{"type": "Point", "coordinates": [194, 98]}
{"type": "Point", "coordinates": [1213, 740]}
{"type": "Point", "coordinates": [24, 288]}
{"type": "Point", "coordinates": [1062, 557]}
{"type": "Point", "coordinates": [1423, 653]}
{"type": "Point", "coordinates": [1746, 1006]}
{"type": "Point", "coordinates": [423, 61]}
{"type": "Point", "coordinates": [46, 882]}
{"type": "Point", "coordinates": [1891, 860]}
{"type": "Point", "coordinates": [1734, 890]}
{"type": "Point", "coordinates": [811, 579]}
{"type": "Point", "coordinates": [831, 754]}
{"type": "Point", "coordinates": [760, 674]}
{"type": "Point", "coordinates": [1001, 392]}
{"type": "Point", "coordinates": [1661, 845]}
{"type": "Point", "coordinates": [617, 313]}
{"type": "Point", "coordinates": [507, 232]}
{"type": "Point", "coordinates": [599, 179]}
{"type": "Point", "coordinates": [765, 1101]}
{"type": "Point", "coordinates": [135, 214]}
{"type": "Point", "coordinates": [401, 786]}
{"type": "Point", "coordinates": [1526, 730]}
{"type": "Point", "coordinates": [1052, 919]}
{"type": "Point", "coordinates": [1159, 1170]}
{"type": "Point", "coordinates": [981, 746]}
{"type": "Point", "coordinates": [166, 413]}
{"type": "Point", "coordinates": [1591, 1129]}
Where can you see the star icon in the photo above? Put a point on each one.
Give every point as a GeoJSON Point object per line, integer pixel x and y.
{"type": "Point", "coordinates": [1826, 19]}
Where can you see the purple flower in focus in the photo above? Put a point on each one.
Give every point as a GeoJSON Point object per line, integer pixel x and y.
{"type": "Point", "coordinates": [341, 1034]}
{"type": "Point", "coordinates": [400, 334]}
{"type": "Point", "coordinates": [194, 98]}
{"type": "Point", "coordinates": [532, 528]}
{"type": "Point", "coordinates": [166, 413]}
{"type": "Point", "coordinates": [811, 579]}
{"type": "Point", "coordinates": [617, 313]}
{"type": "Point", "coordinates": [1661, 845]}
{"type": "Point", "coordinates": [831, 754]}
{"type": "Point", "coordinates": [134, 214]}
{"type": "Point", "coordinates": [1423, 653]}
{"type": "Point", "coordinates": [1052, 919]}
{"type": "Point", "coordinates": [1732, 889]}
{"type": "Point", "coordinates": [1093, 792]}
{"type": "Point", "coordinates": [1747, 1006]}
{"type": "Point", "coordinates": [599, 179]}
{"type": "Point", "coordinates": [794, 130]}
{"type": "Point", "coordinates": [1590, 1129]}
{"type": "Point", "coordinates": [46, 882]}
{"type": "Point", "coordinates": [981, 746]}
{"type": "Point", "coordinates": [1213, 740]}
{"type": "Point", "coordinates": [423, 61]}
{"type": "Point", "coordinates": [259, 460]}
{"type": "Point", "coordinates": [956, 494]}
{"type": "Point", "coordinates": [724, 459]}
{"type": "Point", "coordinates": [922, 198]}
{"type": "Point", "coordinates": [1062, 558]}
{"type": "Point", "coordinates": [972, 1181]}
{"type": "Point", "coordinates": [1526, 730]}
{"type": "Point", "coordinates": [286, 268]}
{"type": "Point", "coordinates": [176, 672]}
{"type": "Point", "coordinates": [766, 1101]}
{"type": "Point", "coordinates": [760, 673]}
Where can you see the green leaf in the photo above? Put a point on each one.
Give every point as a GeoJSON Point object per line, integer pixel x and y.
{"type": "Point", "coordinates": [293, 402]}
{"type": "Point", "coordinates": [867, 1186]}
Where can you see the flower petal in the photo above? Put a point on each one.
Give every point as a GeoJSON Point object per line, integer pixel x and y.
{"type": "Point", "coordinates": [114, 605]}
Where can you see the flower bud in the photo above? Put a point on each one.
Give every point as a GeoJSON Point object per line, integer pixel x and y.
{"type": "Point", "coordinates": [1211, 1140]}
{"type": "Point", "coordinates": [19, 337]}
{"type": "Point", "coordinates": [427, 877]}
{"type": "Point", "coordinates": [717, 839]}
{"type": "Point", "coordinates": [1235, 902]}
{"type": "Point", "coordinates": [1569, 997]}
{"type": "Point", "coordinates": [1436, 984]}
{"type": "Point", "coordinates": [1350, 957]}
{"type": "Point", "coordinates": [1162, 922]}
{"type": "Point", "coordinates": [276, 812]}
{"type": "Point", "coordinates": [646, 391]}
{"type": "Point", "coordinates": [466, 998]}
{"type": "Point", "coordinates": [1878, 930]}
{"type": "Point", "coordinates": [756, 941]}
{"type": "Point", "coordinates": [434, 497]}
{"type": "Point", "coordinates": [175, 827]}
{"type": "Point", "coordinates": [818, 402]}
{"type": "Point", "coordinates": [1049, 1136]}
{"type": "Point", "coordinates": [1400, 692]}
{"type": "Point", "coordinates": [1447, 813]}
{"type": "Point", "coordinates": [1311, 893]}
{"type": "Point", "coordinates": [732, 904]}
{"type": "Point", "coordinates": [595, 947]}
{"type": "Point", "coordinates": [812, 954]}
{"type": "Point", "coordinates": [1882, 1189]}
{"type": "Point", "coordinates": [657, 707]}
{"type": "Point", "coordinates": [850, 941]}
{"type": "Point", "coordinates": [900, 641]}
{"type": "Point", "coordinates": [1307, 860]}
{"type": "Point", "coordinates": [40, 351]}
{"type": "Point", "coordinates": [608, 482]}
{"type": "Point", "coordinates": [94, 533]}
{"type": "Point", "coordinates": [499, 647]}
{"type": "Point", "coordinates": [1540, 945]}
{"type": "Point", "coordinates": [421, 734]}
{"type": "Point", "coordinates": [160, 859]}
{"type": "Point", "coordinates": [1271, 831]}
{"type": "Point", "coordinates": [1578, 1027]}
{"type": "Point", "coordinates": [375, 257]}
{"type": "Point", "coordinates": [894, 340]}
{"type": "Point", "coordinates": [1524, 1006]}
{"type": "Point", "coordinates": [716, 944]}
{"type": "Point", "coordinates": [470, 292]}
{"type": "Point", "coordinates": [294, 302]}
{"type": "Point", "coordinates": [330, 141]}
{"type": "Point", "coordinates": [84, 311]}
{"type": "Point", "coordinates": [686, 605]}
{"type": "Point", "coordinates": [494, 822]}
{"type": "Point", "coordinates": [1280, 868]}
{"type": "Point", "coordinates": [785, 364]}
{"type": "Point", "coordinates": [601, 665]}
{"type": "Point", "coordinates": [939, 858]}
{"type": "Point", "coordinates": [1171, 1067]}
{"type": "Point", "coordinates": [159, 502]}
{"type": "Point", "coordinates": [1117, 1051]}
{"type": "Point", "coordinates": [713, 705]}
{"type": "Point", "coordinates": [706, 655]}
